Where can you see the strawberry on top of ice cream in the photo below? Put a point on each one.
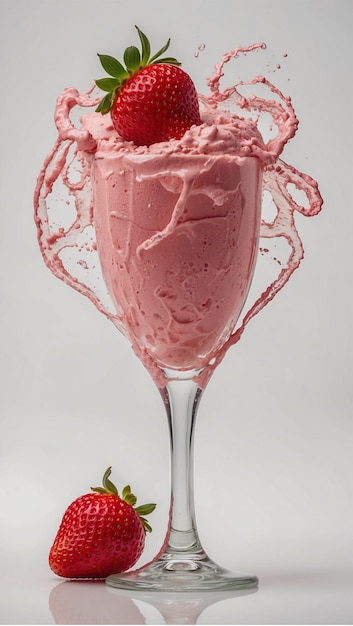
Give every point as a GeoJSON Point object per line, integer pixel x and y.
{"type": "Point", "coordinates": [150, 99]}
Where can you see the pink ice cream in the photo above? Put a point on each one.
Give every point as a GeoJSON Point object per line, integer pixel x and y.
{"type": "Point", "coordinates": [176, 225]}
{"type": "Point", "coordinates": [179, 286]}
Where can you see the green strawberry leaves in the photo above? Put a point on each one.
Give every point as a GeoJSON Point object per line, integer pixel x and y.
{"type": "Point", "coordinates": [112, 66]}
{"type": "Point", "coordinates": [110, 489]}
{"type": "Point", "coordinates": [145, 47]}
{"type": "Point", "coordinates": [145, 509]}
{"type": "Point", "coordinates": [118, 75]}
{"type": "Point", "coordinates": [107, 84]}
{"type": "Point", "coordinates": [158, 54]}
{"type": "Point", "coordinates": [106, 103]}
{"type": "Point", "coordinates": [134, 61]}
{"type": "Point", "coordinates": [142, 510]}
{"type": "Point", "coordinates": [129, 497]}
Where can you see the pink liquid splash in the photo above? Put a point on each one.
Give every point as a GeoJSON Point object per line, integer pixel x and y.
{"type": "Point", "coordinates": [64, 201]}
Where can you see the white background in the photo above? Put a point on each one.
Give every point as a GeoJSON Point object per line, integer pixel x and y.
{"type": "Point", "coordinates": [274, 434]}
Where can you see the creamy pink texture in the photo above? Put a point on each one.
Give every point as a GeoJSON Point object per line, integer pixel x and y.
{"type": "Point", "coordinates": [176, 224]}
{"type": "Point", "coordinates": [177, 238]}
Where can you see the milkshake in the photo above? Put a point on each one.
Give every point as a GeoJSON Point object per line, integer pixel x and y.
{"type": "Point", "coordinates": [176, 223]}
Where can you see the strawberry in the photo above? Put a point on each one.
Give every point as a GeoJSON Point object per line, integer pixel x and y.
{"type": "Point", "coordinates": [151, 99]}
{"type": "Point", "coordinates": [100, 534]}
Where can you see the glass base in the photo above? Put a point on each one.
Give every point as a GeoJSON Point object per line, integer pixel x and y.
{"type": "Point", "coordinates": [182, 575]}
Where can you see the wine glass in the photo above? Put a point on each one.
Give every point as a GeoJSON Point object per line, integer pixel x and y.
{"type": "Point", "coordinates": [178, 291]}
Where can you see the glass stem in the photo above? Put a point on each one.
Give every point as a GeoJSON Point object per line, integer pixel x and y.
{"type": "Point", "coordinates": [181, 399]}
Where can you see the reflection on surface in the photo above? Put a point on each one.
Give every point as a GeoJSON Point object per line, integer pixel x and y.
{"type": "Point", "coordinates": [88, 602]}
{"type": "Point", "coordinates": [184, 608]}
{"type": "Point", "coordinates": [92, 602]}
